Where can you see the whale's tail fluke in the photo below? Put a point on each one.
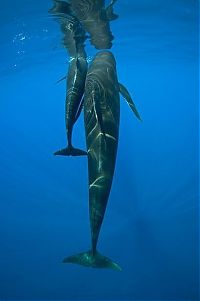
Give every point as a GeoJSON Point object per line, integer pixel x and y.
{"type": "Point", "coordinates": [93, 260]}
{"type": "Point", "coordinates": [70, 151]}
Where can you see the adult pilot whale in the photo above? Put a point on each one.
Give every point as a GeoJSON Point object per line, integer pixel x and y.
{"type": "Point", "coordinates": [101, 118]}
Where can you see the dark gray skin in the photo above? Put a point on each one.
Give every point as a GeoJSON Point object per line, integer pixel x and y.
{"type": "Point", "coordinates": [101, 114]}
{"type": "Point", "coordinates": [95, 19]}
{"type": "Point", "coordinates": [75, 89]}
{"type": "Point", "coordinates": [73, 41]}
{"type": "Point", "coordinates": [101, 118]}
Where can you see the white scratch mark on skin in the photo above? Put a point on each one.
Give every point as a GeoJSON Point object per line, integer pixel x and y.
{"type": "Point", "coordinates": [111, 137]}
{"type": "Point", "coordinates": [95, 182]}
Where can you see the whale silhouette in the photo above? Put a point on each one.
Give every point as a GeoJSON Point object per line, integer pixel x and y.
{"type": "Point", "coordinates": [101, 119]}
{"type": "Point", "coordinates": [73, 40]}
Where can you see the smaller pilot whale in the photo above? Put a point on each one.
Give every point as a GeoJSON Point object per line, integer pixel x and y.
{"type": "Point", "coordinates": [73, 41]}
{"type": "Point", "coordinates": [74, 102]}
{"type": "Point", "coordinates": [101, 119]}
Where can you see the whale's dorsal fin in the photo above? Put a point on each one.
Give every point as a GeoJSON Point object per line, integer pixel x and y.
{"type": "Point", "coordinates": [124, 92]}
{"type": "Point", "coordinates": [60, 80]}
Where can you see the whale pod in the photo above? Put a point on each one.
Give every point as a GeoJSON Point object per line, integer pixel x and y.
{"type": "Point", "coordinates": [101, 119]}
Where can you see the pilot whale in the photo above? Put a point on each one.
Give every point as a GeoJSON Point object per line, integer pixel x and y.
{"type": "Point", "coordinates": [74, 37]}
{"type": "Point", "coordinates": [74, 102]}
{"type": "Point", "coordinates": [101, 119]}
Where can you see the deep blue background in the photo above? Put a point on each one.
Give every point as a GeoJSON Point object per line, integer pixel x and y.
{"type": "Point", "coordinates": [151, 225]}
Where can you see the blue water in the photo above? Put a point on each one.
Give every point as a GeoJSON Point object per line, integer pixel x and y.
{"type": "Point", "coordinates": [151, 224]}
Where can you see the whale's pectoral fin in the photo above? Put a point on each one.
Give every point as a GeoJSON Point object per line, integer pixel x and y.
{"type": "Point", "coordinates": [78, 65]}
{"type": "Point", "coordinates": [70, 151]}
{"type": "Point", "coordinates": [93, 260]}
{"type": "Point", "coordinates": [60, 80]}
{"type": "Point", "coordinates": [124, 92]}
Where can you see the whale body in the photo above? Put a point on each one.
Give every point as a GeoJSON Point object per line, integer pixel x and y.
{"type": "Point", "coordinates": [74, 37]}
{"type": "Point", "coordinates": [101, 119]}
